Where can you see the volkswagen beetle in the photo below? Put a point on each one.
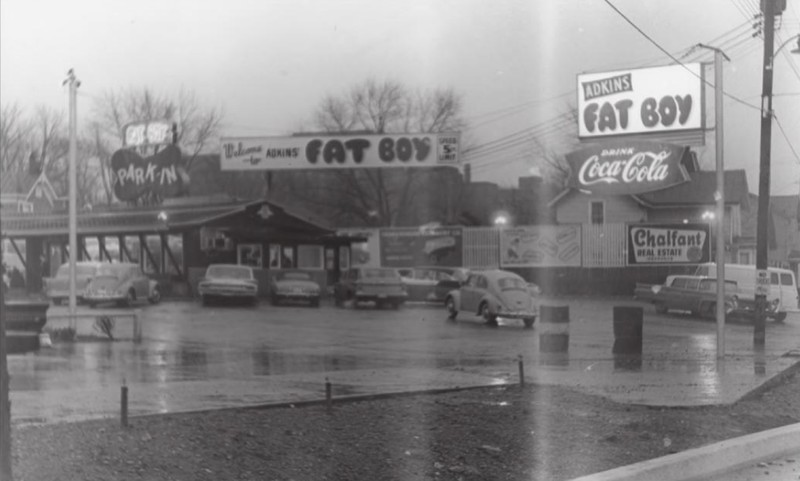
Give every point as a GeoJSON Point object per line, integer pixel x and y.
{"type": "Point", "coordinates": [494, 294]}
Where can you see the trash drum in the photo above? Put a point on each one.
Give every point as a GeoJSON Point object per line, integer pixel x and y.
{"type": "Point", "coordinates": [628, 324]}
{"type": "Point", "coordinates": [553, 329]}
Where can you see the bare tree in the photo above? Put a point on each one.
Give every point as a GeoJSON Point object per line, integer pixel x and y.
{"type": "Point", "coordinates": [15, 138]}
{"type": "Point", "coordinates": [378, 197]}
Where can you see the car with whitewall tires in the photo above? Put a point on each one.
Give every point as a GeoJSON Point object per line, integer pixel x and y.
{"type": "Point", "coordinates": [495, 294]}
{"type": "Point", "coordinates": [123, 284]}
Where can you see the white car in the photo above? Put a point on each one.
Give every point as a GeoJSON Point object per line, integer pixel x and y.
{"type": "Point", "coordinates": [494, 294]}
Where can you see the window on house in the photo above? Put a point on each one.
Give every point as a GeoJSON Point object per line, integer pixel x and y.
{"type": "Point", "coordinates": [744, 257]}
{"type": "Point", "coordinates": [597, 212]}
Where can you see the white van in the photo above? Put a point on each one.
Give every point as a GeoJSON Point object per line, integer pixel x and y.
{"type": "Point", "coordinates": [782, 289]}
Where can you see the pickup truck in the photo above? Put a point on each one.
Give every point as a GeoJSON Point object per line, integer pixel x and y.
{"type": "Point", "coordinates": [696, 294]}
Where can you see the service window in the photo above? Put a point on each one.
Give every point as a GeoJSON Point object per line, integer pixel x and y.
{"type": "Point", "coordinates": [330, 258]}
{"type": "Point", "coordinates": [344, 257]}
{"type": "Point", "coordinates": [309, 257]}
{"type": "Point", "coordinates": [249, 255]}
{"type": "Point", "coordinates": [274, 256]}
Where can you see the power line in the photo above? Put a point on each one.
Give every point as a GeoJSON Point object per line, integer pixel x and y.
{"type": "Point", "coordinates": [786, 137]}
{"type": "Point", "coordinates": [675, 59]}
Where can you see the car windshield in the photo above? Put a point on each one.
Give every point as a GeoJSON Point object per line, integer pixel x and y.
{"type": "Point", "coordinates": [111, 270]}
{"type": "Point", "coordinates": [80, 270]}
{"type": "Point", "coordinates": [380, 274]}
{"type": "Point", "coordinates": [512, 283]}
{"type": "Point", "coordinates": [230, 272]}
{"type": "Point", "coordinates": [293, 276]}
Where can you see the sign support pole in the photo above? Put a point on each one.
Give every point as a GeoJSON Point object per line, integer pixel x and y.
{"type": "Point", "coordinates": [73, 180]}
{"type": "Point", "coordinates": [719, 197]}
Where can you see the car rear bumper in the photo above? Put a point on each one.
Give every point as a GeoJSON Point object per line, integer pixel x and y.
{"type": "Point", "coordinates": [380, 298]}
{"type": "Point", "coordinates": [226, 293]}
{"type": "Point", "coordinates": [517, 314]}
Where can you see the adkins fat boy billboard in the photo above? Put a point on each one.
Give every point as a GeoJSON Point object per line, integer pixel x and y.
{"type": "Point", "coordinates": [660, 244]}
{"type": "Point", "coordinates": [637, 101]}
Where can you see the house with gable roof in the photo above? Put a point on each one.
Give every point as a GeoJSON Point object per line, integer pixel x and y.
{"type": "Point", "coordinates": [29, 191]}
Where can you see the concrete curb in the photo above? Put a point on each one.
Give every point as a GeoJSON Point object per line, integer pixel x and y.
{"type": "Point", "coordinates": [714, 459]}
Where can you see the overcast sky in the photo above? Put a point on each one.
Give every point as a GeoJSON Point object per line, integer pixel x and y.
{"type": "Point", "coordinates": [268, 63]}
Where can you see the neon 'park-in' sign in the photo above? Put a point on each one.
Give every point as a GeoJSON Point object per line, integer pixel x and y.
{"type": "Point", "coordinates": [632, 167]}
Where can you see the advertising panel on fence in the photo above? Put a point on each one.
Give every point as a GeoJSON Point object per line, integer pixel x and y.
{"type": "Point", "coordinates": [339, 152]}
{"type": "Point", "coordinates": [658, 244]}
{"type": "Point", "coordinates": [409, 247]}
{"type": "Point", "coordinates": [541, 246]}
{"type": "Point", "coordinates": [364, 254]}
{"type": "Point", "coordinates": [644, 100]}
{"type": "Point", "coordinates": [626, 167]}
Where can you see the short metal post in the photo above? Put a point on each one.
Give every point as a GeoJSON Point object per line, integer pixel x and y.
{"type": "Point", "coordinates": [328, 394]}
{"type": "Point", "coordinates": [137, 328]}
{"type": "Point", "coordinates": [124, 405]}
{"type": "Point", "coordinates": [521, 371]}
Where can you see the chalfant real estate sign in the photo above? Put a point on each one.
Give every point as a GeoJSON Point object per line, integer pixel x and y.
{"type": "Point", "coordinates": [640, 101]}
{"type": "Point", "coordinates": [659, 244]}
{"type": "Point", "coordinates": [339, 152]}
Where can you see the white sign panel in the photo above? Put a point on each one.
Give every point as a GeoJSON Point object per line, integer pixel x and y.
{"type": "Point", "coordinates": [541, 246]}
{"type": "Point", "coordinates": [647, 100]}
{"type": "Point", "coordinates": [762, 282]}
{"type": "Point", "coordinates": [339, 152]}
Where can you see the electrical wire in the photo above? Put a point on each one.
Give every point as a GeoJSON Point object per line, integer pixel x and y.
{"type": "Point", "coordinates": [675, 59]}
{"type": "Point", "coordinates": [786, 137]}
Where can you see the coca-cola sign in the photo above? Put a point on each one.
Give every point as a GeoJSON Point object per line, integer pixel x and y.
{"type": "Point", "coordinates": [627, 167]}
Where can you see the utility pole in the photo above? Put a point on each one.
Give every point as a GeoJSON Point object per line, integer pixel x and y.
{"type": "Point", "coordinates": [74, 83]}
{"type": "Point", "coordinates": [762, 275]}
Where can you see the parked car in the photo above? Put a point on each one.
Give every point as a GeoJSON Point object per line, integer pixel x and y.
{"type": "Point", "coordinates": [294, 285]}
{"type": "Point", "coordinates": [228, 281]}
{"type": "Point", "coordinates": [431, 283]}
{"type": "Point", "coordinates": [783, 294]}
{"type": "Point", "coordinates": [696, 294]}
{"type": "Point", "coordinates": [494, 294]}
{"type": "Point", "coordinates": [121, 283]}
{"type": "Point", "coordinates": [57, 287]}
{"type": "Point", "coordinates": [381, 285]}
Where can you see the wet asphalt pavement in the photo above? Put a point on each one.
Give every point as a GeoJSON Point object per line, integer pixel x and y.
{"type": "Point", "coordinates": [193, 357]}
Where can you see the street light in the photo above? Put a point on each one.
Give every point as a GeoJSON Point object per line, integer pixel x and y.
{"type": "Point", "coordinates": [762, 276]}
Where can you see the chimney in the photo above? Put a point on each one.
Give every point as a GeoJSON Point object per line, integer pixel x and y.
{"type": "Point", "coordinates": [34, 165]}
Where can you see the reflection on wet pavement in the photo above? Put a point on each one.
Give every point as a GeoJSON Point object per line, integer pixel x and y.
{"type": "Point", "coordinates": [199, 359]}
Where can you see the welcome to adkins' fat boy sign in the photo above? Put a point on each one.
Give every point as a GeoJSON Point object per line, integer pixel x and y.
{"type": "Point", "coordinates": [626, 167]}
{"type": "Point", "coordinates": [339, 152]}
